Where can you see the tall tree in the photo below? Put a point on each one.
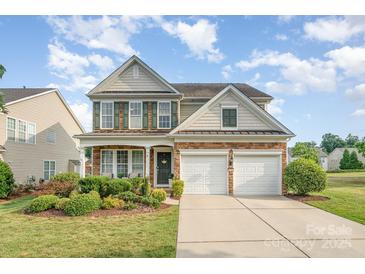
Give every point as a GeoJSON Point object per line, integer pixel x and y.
{"type": "Point", "coordinates": [351, 140]}
{"type": "Point", "coordinates": [361, 147]}
{"type": "Point", "coordinates": [331, 141]}
{"type": "Point", "coordinates": [305, 150]}
{"type": "Point", "coordinates": [354, 161]}
{"type": "Point", "coordinates": [2, 102]}
{"type": "Point", "coordinates": [2, 71]}
{"type": "Point", "coordinates": [345, 161]}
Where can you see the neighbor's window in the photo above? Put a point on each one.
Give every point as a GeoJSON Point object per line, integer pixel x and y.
{"type": "Point", "coordinates": [49, 169]}
{"type": "Point", "coordinates": [135, 113]}
{"type": "Point", "coordinates": [106, 162]}
{"type": "Point", "coordinates": [229, 117]}
{"type": "Point", "coordinates": [51, 137]}
{"type": "Point", "coordinates": [137, 162]}
{"type": "Point", "coordinates": [10, 128]}
{"type": "Point", "coordinates": [107, 114]}
{"type": "Point", "coordinates": [22, 131]}
{"type": "Point", "coordinates": [122, 163]}
{"type": "Point", "coordinates": [164, 115]}
{"type": "Point", "coordinates": [31, 133]}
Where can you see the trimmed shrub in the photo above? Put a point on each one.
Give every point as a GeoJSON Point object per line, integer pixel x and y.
{"type": "Point", "coordinates": [159, 194]}
{"type": "Point", "coordinates": [145, 187]}
{"type": "Point", "coordinates": [90, 183]}
{"type": "Point", "coordinates": [110, 202]}
{"type": "Point", "coordinates": [71, 177]}
{"type": "Point", "coordinates": [73, 194]}
{"type": "Point", "coordinates": [61, 189]}
{"type": "Point", "coordinates": [7, 181]}
{"type": "Point", "coordinates": [61, 203]}
{"type": "Point", "coordinates": [129, 206]}
{"type": "Point", "coordinates": [83, 204]}
{"type": "Point", "coordinates": [150, 201]}
{"type": "Point", "coordinates": [42, 203]}
{"type": "Point", "coordinates": [136, 184]}
{"type": "Point", "coordinates": [303, 176]}
{"type": "Point", "coordinates": [177, 188]}
{"type": "Point", "coordinates": [114, 187]}
{"type": "Point", "coordinates": [129, 196]}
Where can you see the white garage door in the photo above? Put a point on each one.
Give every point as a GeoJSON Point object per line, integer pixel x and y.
{"type": "Point", "coordinates": [204, 174]}
{"type": "Point", "coordinates": [256, 175]}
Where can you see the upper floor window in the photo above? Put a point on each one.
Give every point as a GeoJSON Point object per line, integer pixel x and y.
{"type": "Point", "coordinates": [51, 137]}
{"type": "Point", "coordinates": [164, 114]}
{"type": "Point", "coordinates": [229, 117]}
{"type": "Point", "coordinates": [20, 131]}
{"type": "Point", "coordinates": [135, 115]}
{"type": "Point", "coordinates": [107, 114]}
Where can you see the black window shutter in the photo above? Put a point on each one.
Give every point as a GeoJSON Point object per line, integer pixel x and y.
{"type": "Point", "coordinates": [154, 114]}
{"type": "Point", "coordinates": [125, 114]}
{"type": "Point", "coordinates": [145, 115]}
{"type": "Point", "coordinates": [116, 115]}
{"type": "Point", "coordinates": [174, 114]}
{"type": "Point", "coordinates": [96, 116]}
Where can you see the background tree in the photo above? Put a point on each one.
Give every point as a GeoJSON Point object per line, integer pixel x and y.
{"type": "Point", "coordinates": [354, 161]}
{"type": "Point", "coordinates": [351, 140]}
{"type": "Point", "coordinates": [88, 152]}
{"type": "Point", "coordinates": [305, 150]}
{"type": "Point", "coordinates": [331, 141]}
{"type": "Point", "coordinates": [2, 71]}
{"type": "Point", "coordinates": [2, 102]}
{"type": "Point", "coordinates": [345, 161]}
{"type": "Point", "coordinates": [361, 147]}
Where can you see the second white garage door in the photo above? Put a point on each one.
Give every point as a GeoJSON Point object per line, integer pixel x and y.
{"type": "Point", "coordinates": [256, 175]}
{"type": "Point", "coordinates": [204, 174]}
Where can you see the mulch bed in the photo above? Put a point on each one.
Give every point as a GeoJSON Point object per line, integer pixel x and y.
{"type": "Point", "coordinates": [305, 198]}
{"type": "Point", "coordinates": [103, 212]}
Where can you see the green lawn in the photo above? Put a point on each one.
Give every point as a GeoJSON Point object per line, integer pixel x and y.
{"type": "Point", "coordinates": [144, 235]}
{"type": "Point", "coordinates": [347, 196]}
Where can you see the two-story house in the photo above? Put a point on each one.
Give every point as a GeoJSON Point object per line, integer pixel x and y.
{"type": "Point", "coordinates": [218, 138]}
{"type": "Point", "coordinates": [36, 134]}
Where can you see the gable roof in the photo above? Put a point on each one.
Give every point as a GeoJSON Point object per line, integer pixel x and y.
{"type": "Point", "coordinates": [15, 94]}
{"type": "Point", "coordinates": [114, 75]}
{"type": "Point", "coordinates": [257, 109]}
{"type": "Point", "coordinates": [209, 90]}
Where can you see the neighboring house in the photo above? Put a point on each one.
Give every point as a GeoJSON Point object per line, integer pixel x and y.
{"type": "Point", "coordinates": [336, 155]}
{"type": "Point", "coordinates": [36, 133]}
{"type": "Point", "coordinates": [218, 138]}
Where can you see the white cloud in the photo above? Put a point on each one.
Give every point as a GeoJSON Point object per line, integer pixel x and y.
{"type": "Point", "coordinates": [226, 71]}
{"type": "Point", "coordinates": [104, 62]}
{"type": "Point", "coordinates": [335, 29]}
{"type": "Point", "coordinates": [275, 106]}
{"type": "Point", "coordinates": [286, 88]}
{"type": "Point", "coordinates": [300, 74]}
{"type": "Point", "coordinates": [281, 37]}
{"type": "Point", "coordinates": [253, 80]}
{"type": "Point", "coordinates": [359, 112]}
{"type": "Point", "coordinates": [285, 18]}
{"type": "Point", "coordinates": [357, 93]}
{"type": "Point", "coordinates": [199, 37]}
{"type": "Point", "coordinates": [83, 113]}
{"type": "Point", "coordinates": [308, 116]}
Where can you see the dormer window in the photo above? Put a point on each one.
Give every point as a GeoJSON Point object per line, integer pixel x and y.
{"type": "Point", "coordinates": [229, 117]}
{"type": "Point", "coordinates": [135, 71]}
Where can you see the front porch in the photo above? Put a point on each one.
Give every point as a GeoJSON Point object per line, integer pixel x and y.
{"type": "Point", "coordinates": [122, 161]}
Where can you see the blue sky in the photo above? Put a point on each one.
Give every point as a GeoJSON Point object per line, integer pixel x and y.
{"type": "Point", "coordinates": [313, 66]}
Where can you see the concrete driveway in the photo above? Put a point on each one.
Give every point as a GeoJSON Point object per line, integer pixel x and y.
{"type": "Point", "coordinates": [270, 226]}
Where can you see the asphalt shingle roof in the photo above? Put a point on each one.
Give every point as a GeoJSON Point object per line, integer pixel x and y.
{"type": "Point", "coordinates": [14, 94]}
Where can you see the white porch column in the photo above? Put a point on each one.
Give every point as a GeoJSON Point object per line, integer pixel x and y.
{"type": "Point", "coordinates": [82, 162]}
{"type": "Point", "coordinates": [148, 150]}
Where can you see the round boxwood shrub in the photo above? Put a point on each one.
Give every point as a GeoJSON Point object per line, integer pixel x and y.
{"type": "Point", "coordinates": [42, 203]}
{"type": "Point", "coordinates": [114, 187]}
{"type": "Point", "coordinates": [177, 188]}
{"type": "Point", "coordinates": [83, 204]}
{"type": "Point", "coordinates": [129, 196]}
{"type": "Point", "coordinates": [61, 203]}
{"type": "Point", "coordinates": [159, 194]}
{"type": "Point", "coordinates": [110, 202]}
{"type": "Point", "coordinates": [150, 201]}
{"type": "Point", "coordinates": [7, 181]}
{"type": "Point", "coordinates": [303, 176]}
{"type": "Point", "coordinates": [90, 183]}
{"type": "Point", "coordinates": [71, 177]}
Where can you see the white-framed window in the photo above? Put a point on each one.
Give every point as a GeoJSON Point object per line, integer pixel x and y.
{"type": "Point", "coordinates": [22, 131]}
{"type": "Point", "coordinates": [31, 133]}
{"type": "Point", "coordinates": [49, 169]}
{"type": "Point", "coordinates": [229, 117]}
{"type": "Point", "coordinates": [11, 129]}
{"type": "Point", "coordinates": [51, 137]}
{"type": "Point", "coordinates": [106, 162]}
{"type": "Point", "coordinates": [135, 115]}
{"type": "Point", "coordinates": [122, 163]}
{"type": "Point", "coordinates": [164, 114]}
{"type": "Point", "coordinates": [137, 162]}
{"type": "Point", "coordinates": [107, 110]}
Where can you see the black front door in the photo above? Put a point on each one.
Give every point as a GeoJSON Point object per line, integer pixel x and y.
{"type": "Point", "coordinates": [163, 168]}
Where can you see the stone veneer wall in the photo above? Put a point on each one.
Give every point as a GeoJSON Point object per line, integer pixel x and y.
{"type": "Point", "coordinates": [230, 146]}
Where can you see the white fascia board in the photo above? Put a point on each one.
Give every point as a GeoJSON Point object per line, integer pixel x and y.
{"type": "Point", "coordinates": [257, 152]}
{"type": "Point", "coordinates": [131, 141]}
{"type": "Point", "coordinates": [30, 97]}
{"type": "Point", "coordinates": [234, 138]}
{"type": "Point", "coordinates": [204, 151]}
